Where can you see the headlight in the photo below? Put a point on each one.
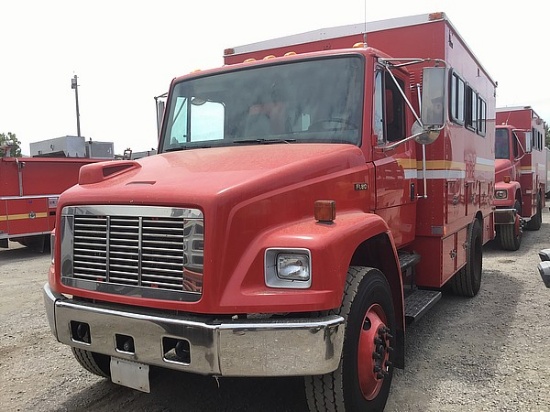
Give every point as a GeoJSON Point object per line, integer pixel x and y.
{"type": "Point", "coordinates": [501, 194]}
{"type": "Point", "coordinates": [293, 267]}
{"type": "Point", "coordinates": [288, 268]}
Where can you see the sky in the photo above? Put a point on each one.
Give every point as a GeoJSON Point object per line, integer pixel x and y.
{"type": "Point", "coordinates": [126, 52]}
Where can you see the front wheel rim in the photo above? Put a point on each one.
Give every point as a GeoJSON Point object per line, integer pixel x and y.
{"type": "Point", "coordinates": [373, 352]}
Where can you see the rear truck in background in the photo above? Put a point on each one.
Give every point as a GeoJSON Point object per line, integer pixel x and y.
{"type": "Point", "coordinates": [303, 209]}
{"type": "Point", "coordinates": [520, 173]}
{"type": "Point", "coordinates": [30, 188]}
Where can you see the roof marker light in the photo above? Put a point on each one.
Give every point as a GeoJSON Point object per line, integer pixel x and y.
{"type": "Point", "coordinates": [435, 16]}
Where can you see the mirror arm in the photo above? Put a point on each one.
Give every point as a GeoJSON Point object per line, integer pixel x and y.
{"type": "Point", "coordinates": [411, 137]}
{"type": "Point", "coordinates": [400, 142]}
{"type": "Point", "coordinates": [387, 68]}
{"type": "Point", "coordinates": [424, 178]}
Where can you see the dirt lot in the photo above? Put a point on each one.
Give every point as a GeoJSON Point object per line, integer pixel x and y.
{"type": "Point", "coordinates": [490, 353]}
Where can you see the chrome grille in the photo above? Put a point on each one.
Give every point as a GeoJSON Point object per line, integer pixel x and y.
{"type": "Point", "coordinates": [138, 250]}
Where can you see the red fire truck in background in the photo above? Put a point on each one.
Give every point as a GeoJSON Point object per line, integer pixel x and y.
{"type": "Point", "coordinates": [520, 173]}
{"type": "Point", "coordinates": [30, 187]}
{"type": "Point", "coordinates": [302, 210]}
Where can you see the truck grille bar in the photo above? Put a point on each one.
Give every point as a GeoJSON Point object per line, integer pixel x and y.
{"type": "Point", "coordinates": [154, 252]}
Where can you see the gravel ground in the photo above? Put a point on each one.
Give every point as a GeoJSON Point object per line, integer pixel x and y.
{"type": "Point", "coordinates": [489, 353]}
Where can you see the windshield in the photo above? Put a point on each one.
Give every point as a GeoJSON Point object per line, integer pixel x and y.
{"type": "Point", "coordinates": [302, 101]}
{"type": "Point", "coordinates": [502, 144]}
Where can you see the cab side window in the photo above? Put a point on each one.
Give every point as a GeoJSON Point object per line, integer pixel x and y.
{"type": "Point", "coordinates": [395, 110]}
{"type": "Point", "coordinates": [389, 109]}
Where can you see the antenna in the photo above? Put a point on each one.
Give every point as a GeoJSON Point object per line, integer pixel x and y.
{"type": "Point", "coordinates": [74, 86]}
{"type": "Point", "coordinates": [365, 17]}
{"type": "Point", "coordinates": [508, 118]}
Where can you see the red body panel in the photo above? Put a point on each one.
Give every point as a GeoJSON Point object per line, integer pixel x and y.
{"type": "Point", "coordinates": [29, 188]}
{"type": "Point", "coordinates": [459, 163]}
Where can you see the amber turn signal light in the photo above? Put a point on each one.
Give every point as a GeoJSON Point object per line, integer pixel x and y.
{"type": "Point", "coordinates": [325, 210]}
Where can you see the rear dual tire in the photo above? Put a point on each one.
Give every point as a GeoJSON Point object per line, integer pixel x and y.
{"type": "Point", "coordinates": [536, 221]}
{"type": "Point", "coordinates": [467, 281]}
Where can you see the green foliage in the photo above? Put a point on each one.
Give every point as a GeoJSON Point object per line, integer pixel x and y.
{"type": "Point", "coordinates": [15, 144]}
{"type": "Point", "coordinates": [16, 147]}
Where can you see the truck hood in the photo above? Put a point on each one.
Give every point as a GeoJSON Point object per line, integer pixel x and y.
{"type": "Point", "coordinates": [252, 198]}
{"type": "Point", "coordinates": [194, 176]}
{"type": "Point", "coordinates": [503, 167]}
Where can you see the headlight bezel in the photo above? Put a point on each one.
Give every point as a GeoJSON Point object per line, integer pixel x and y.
{"type": "Point", "coordinates": [297, 263]}
{"type": "Point", "coordinates": [52, 247]}
{"type": "Point", "coordinates": [501, 194]}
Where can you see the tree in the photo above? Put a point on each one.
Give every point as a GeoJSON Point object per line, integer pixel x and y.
{"type": "Point", "coordinates": [16, 146]}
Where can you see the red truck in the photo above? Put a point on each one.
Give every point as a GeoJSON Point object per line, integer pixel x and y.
{"type": "Point", "coordinates": [29, 190]}
{"type": "Point", "coordinates": [302, 209]}
{"type": "Point", "coordinates": [520, 173]}
{"type": "Point", "coordinates": [30, 186]}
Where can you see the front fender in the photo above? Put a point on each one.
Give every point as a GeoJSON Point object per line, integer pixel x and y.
{"type": "Point", "coordinates": [511, 189]}
{"type": "Point", "coordinates": [331, 247]}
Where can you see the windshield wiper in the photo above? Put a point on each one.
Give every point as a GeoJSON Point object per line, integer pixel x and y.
{"type": "Point", "coordinates": [264, 141]}
{"type": "Point", "coordinates": [185, 147]}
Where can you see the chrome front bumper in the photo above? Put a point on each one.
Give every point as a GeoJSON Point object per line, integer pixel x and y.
{"type": "Point", "coordinates": [505, 216]}
{"type": "Point", "coordinates": [269, 347]}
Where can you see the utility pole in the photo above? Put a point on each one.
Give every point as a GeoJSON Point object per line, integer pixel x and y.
{"type": "Point", "coordinates": [74, 85]}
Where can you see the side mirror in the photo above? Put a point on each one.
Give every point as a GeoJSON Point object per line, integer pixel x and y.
{"type": "Point", "coordinates": [433, 113]}
{"type": "Point", "coordinates": [544, 266]}
{"type": "Point", "coordinates": [544, 271]}
{"type": "Point", "coordinates": [160, 113]}
{"type": "Point", "coordinates": [160, 103]}
{"type": "Point", "coordinates": [423, 135]}
{"type": "Point", "coordinates": [434, 97]}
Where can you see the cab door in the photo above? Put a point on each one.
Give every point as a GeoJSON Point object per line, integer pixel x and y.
{"type": "Point", "coordinates": [395, 165]}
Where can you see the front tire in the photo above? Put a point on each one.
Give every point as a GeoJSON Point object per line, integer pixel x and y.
{"type": "Point", "coordinates": [509, 236]}
{"type": "Point", "coordinates": [363, 378]}
{"type": "Point", "coordinates": [95, 363]}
